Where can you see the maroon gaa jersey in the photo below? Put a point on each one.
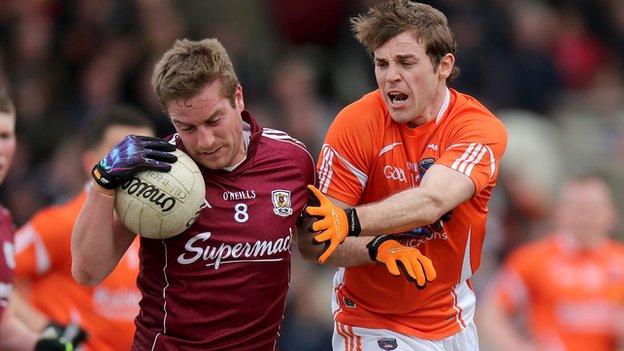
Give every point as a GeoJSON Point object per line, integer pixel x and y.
{"type": "Point", "coordinates": [7, 258]}
{"type": "Point", "coordinates": [221, 284]}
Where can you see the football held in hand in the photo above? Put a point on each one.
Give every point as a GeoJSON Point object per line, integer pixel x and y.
{"type": "Point", "coordinates": [160, 205]}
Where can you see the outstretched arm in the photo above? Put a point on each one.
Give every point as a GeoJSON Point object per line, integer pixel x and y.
{"type": "Point", "coordinates": [398, 259]}
{"type": "Point", "coordinates": [441, 190]}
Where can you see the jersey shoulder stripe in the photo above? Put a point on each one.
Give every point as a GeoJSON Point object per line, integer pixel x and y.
{"type": "Point", "coordinates": [278, 135]}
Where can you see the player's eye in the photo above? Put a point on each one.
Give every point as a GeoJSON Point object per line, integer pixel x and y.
{"type": "Point", "coordinates": [213, 121]}
{"type": "Point", "coordinates": [381, 63]}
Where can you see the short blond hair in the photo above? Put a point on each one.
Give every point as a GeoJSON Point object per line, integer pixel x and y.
{"type": "Point", "coordinates": [188, 66]}
{"type": "Point", "coordinates": [389, 19]}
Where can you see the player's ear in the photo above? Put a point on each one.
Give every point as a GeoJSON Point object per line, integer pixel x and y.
{"type": "Point", "coordinates": [238, 98]}
{"type": "Point", "coordinates": [445, 67]}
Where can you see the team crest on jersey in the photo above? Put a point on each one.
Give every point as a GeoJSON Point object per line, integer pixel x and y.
{"type": "Point", "coordinates": [281, 203]}
{"type": "Point", "coordinates": [387, 343]}
{"type": "Point", "coordinates": [423, 166]}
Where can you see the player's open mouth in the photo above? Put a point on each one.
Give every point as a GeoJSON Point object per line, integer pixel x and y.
{"type": "Point", "coordinates": [397, 99]}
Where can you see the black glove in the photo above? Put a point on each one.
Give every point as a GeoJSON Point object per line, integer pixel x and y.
{"type": "Point", "coordinates": [60, 337]}
{"type": "Point", "coordinates": [53, 345]}
{"type": "Point", "coordinates": [130, 156]}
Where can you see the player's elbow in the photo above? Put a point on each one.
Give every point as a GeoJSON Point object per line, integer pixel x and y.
{"type": "Point", "coordinates": [82, 275]}
{"type": "Point", "coordinates": [433, 208]}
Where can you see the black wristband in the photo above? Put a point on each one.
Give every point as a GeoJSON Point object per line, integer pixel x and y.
{"type": "Point", "coordinates": [50, 345]}
{"type": "Point", "coordinates": [354, 222]}
{"type": "Point", "coordinates": [100, 177]}
{"type": "Point", "coordinates": [373, 245]}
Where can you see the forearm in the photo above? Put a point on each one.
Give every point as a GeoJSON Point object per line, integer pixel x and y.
{"type": "Point", "coordinates": [15, 335]}
{"type": "Point", "coordinates": [403, 211]}
{"type": "Point", "coordinates": [441, 190]}
{"type": "Point", "coordinates": [97, 245]}
{"type": "Point", "coordinates": [352, 252]}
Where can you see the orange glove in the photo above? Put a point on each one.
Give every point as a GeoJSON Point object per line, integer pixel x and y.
{"type": "Point", "coordinates": [402, 259]}
{"type": "Point", "coordinates": [334, 223]}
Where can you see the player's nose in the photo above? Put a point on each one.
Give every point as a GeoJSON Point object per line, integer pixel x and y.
{"type": "Point", "coordinates": [392, 73]}
{"type": "Point", "coordinates": [206, 138]}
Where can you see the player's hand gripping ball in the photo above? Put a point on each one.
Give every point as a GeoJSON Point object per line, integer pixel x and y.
{"type": "Point", "coordinates": [160, 204]}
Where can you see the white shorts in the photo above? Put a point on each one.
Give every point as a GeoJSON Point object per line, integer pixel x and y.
{"type": "Point", "coordinates": [347, 338]}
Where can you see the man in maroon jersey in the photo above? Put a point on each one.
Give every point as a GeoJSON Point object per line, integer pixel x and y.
{"type": "Point", "coordinates": [14, 333]}
{"type": "Point", "coordinates": [222, 283]}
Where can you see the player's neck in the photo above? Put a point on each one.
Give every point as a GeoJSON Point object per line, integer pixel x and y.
{"type": "Point", "coordinates": [245, 145]}
{"type": "Point", "coordinates": [435, 110]}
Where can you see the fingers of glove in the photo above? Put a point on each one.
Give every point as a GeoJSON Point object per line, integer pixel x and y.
{"type": "Point", "coordinates": [325, 235]}
{"type": "Point", "coordinates": [322, 224]}
{"type": "Point", "coordinates": [428, 268]}
{"type": "Point", "coordinates": [413, 268]}
{"type": "Point", "coordinates": [158, 144]}
{"type": "Point", "coordinates": [391, 266]}
{"type": "Point", "coordinates": [156, 165]}
{"type": "Point", "coordinates": [162, 156]}
{"type": "Point", "coordinates": [404, 272]}
{"type": "Point", "coordinates": [328, 251]}
{"type": "Point", "coordinates": [318, 194]}
{"type": "Point", "coordinates": [317, 211]}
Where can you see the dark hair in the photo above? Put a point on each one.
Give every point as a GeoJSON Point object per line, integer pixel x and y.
{"type": "Point", "coordinates": [391, 18]}
{"type": "Point", "coordinates": [6, 104]}
{"type": "Point", "coordinates": [97, 124]}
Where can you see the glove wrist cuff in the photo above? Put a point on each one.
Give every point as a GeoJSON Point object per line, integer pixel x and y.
{"type": "Point", "coordinates": [353, 222]}
{"type": "Point", "coordinates": [100, 177]}
{"type": "Point", "coordinates": [373, 245]}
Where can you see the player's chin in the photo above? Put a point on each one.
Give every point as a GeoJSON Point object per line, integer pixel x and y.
{"type": "Point", "coordinates": [400, 117]}
{"type": "Point", "coordinates": [212, 162]}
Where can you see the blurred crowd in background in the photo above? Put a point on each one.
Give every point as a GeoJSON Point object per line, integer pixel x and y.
{"type": "Point", "coordinates": [553, 71]}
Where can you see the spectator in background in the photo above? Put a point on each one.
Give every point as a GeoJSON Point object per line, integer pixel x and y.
{"type": "Point", "coordinates": [43, 255]}
{"type": "Point", "coordinates": [569, 286]}
{"type": "Point", "coordinates": [14, 334]}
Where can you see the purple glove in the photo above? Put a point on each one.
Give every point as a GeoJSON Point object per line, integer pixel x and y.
{"type": "Point", "coordinates": [130, 156]}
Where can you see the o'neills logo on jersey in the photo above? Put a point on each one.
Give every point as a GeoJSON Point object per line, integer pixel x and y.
{"type": "Point", "coordinates": [215, 256]}
{"type": "Point", "coordinates": [139, 188]}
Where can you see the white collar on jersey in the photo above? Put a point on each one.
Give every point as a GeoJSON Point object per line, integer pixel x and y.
{"type": "Point", "coordinates": [246, 138]}
{"type": "Point", "coordinates": [445, 105]}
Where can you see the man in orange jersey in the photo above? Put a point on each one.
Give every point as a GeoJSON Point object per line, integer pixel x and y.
{"type": "Point", "coordinates": [396, 161]}
{"type": "Point", "coordinates": [568, 286]}
{"type": "Point", "coordinates": [43, 258]}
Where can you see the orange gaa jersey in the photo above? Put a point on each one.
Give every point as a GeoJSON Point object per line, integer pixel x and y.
{"type": "Point", "coordinates": [367, 157]}
{"type": "Point", "coordinates": [570, 297]}
{"type": "Point", "coordinates": [43, 257]}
